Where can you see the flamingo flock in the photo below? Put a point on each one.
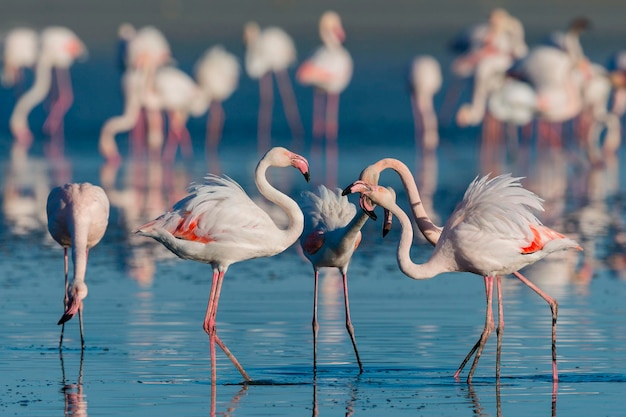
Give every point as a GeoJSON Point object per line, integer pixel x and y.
{"type": "Point", "coordinates": [493, 232]}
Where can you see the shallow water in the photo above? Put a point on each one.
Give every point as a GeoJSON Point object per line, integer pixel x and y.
{"type": "Point", "coordinates": [146, 351]}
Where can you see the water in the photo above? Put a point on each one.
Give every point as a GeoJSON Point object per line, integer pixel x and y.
{"type": "Point", "coordinates": [147, 353]}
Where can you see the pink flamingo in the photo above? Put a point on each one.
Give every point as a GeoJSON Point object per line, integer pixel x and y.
{"type": "Point", "coordinates": [59, 48]}
{"type": "Point", "coordinates": [78, 215]}
{"type": "Point", "coordinates": [492, 232]}
{"type": "Point", "coordinates": [332, 232]}
{"type": "Point", "coordinates": [217, 74]}
{"type": "Point", "coordinates": [329, 70]}
{"type": "Point", "coordinates": [268, 51]}
{"type": "Point", "coordinates": [425, 79]}
{"type": "Point", "coordinates": [218, 224]}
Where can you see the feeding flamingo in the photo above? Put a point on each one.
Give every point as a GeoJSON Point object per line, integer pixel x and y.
{"type": "Point", "coordinates": [78, 215]}
{"type": "Point", "coordinates": [271, 50]}
{"type": "Point", "coordinates": [329, 70]}
{"type": "Point", "coordinates": [492, 232]}
{"type": "Point", "coordinates": [59, 47]}
{"type": "Point", "coordinates": [218, 224]}
{"type": "Point", "coordinates": [425, 79]}
{"type": "Point", "coordinates": [332, 232]}
{"type": "Point", "coordinates": [21, 46]}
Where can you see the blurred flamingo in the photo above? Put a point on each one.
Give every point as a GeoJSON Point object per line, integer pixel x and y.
{"type": "Point", "coordinates": [492, 232]}
{"type": "Point", "coordinates": [329, 70]}
{"type": "Point", "coordinates": [425, 79]}
{"type": "Point", "coordinates": [332, 232]}
{"type": "Point", "coordinates": [78, 215]}
{"type": "Point", "coordinates": [21, 47]}
{"type": "Point", "coordinates": [271, 50]}
{"type": "Point", "coordinates": [218, 224]}
{"type": "Point", "coordinates": [217, 74]}
{"type": "Point", "coordinates": [59, 48]}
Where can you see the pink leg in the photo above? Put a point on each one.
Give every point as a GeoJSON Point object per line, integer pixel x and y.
{"type": "Point", "coordinates": [65, 297]}
{"type": "Point", "coordinates": [349, 321]}
{"type": "Point", "coordinates": [318, 118]}
{"type": "Point", "coordinates": [155, 133]}
{"type": "Point", "coordinates": [54, 122]}
{"type": "Point", "coordinates": [214, 126]}
{"type": "Point", "coordinates": [137, 137]}
{"type": "Point", "coordinates": [480, 344]}
{"type": "Point", "coordinates": [315, 324]}
{"type": "Point", "coordinates": [554, 307]}
{"type": "Point", "coordinates": [209, 322]}
{"type": "Point", "coordinates": [500, 328]}
{"type": "Point", "coordinates": [332, 116]}
{"type": "Point", "coordinates": [266, 94]}
{"type": "Point", "coordinates": [290, 104]}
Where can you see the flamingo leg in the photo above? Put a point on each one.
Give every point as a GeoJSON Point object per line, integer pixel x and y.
{"type": "Point", "coordinates": [349, 321]}
{"type": "Point", "coordinates": [65, 297]}
{"type": "Point", "coordinates": [214, 126]}
{"type": "Point", "coordinates": [332, 116]}
{"type": "Point", "coordinates": [80, 322]}
{"type": "Point", "coordinates": [54, 123]}
{"type": "Point", "coordinates": [290, 104]}
{"type": "Point", "coordinates": [318, 118]}
{"type": "Point", "coordinates": [209, 324]}
{"type": "Point", "coordinates": [314, 323]}
{"type": "Point", "coordinates": [554, 307]}
{"type": "Point", "coordinates": [480, 344]}
{"type": "Point", "coordinates": [500, 328]}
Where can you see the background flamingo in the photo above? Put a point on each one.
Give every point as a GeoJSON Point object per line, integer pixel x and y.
{"type": "Point", "coordinates": [217, 74]}
{"type": "Point", "coordinates": [21, 47]}
{"type": "Point", "coordinates": [425, 79]}
{"type": "Point", "coordinates": [218, 224]}
{"type": "Point", "coordinates": [78, 215]}
{"type": "Point", "coordinates": [332, 232]}
{"type": "Point", "coordinates": [271, 50]}
{"type": "Point", "coordinates": [59, 48]}
{"type": "Point", "coordinates": [492, 232]}
{"type": "Point", "coordinates": [329, 70]}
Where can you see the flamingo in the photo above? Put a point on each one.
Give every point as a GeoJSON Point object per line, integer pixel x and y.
{"type": "Point", "coordinates": [142, 53]}
{"type": "Point", "coordinates": [271, 50]}
{"type": "Point", "coordinates": [218, 224]}
{"type": "Point", "coordinates": [59, 48]}
{"type": "Point", "coordinates": [332, 232]}
{"type": "Point", "coordinates": [177, 93]}
{"type": "Point", "coordinates": [492, 232]}
{"type": "Point", "coordinates": [329, 70]}
{"type": "Point", "coordinates": [425, 79]}
{"type": "Point", "coordinates": [78, 215]}
{"type": "Point", "coordinates": [21, 46]}
{"type": "Point", "coordinates": [217, 74]}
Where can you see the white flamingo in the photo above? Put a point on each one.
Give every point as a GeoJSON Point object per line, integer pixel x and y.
{"type": "Point", "coordinates": [21, 48]}
{"type": "Point", "coordinates": [329, 70]}
{"type": "Point", "coordinates": [218, 224]}
{"type": "Point", "coordinates": [492, 232]}
{"type": "Point", "coordinates": [426, 80]}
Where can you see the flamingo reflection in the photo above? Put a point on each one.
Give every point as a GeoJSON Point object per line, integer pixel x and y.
{"type": "Point", "coordinates": [74, 397]}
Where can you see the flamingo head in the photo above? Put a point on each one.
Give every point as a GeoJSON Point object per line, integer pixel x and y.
{"type": "Point", "coordinates": [331, 28]}
{"type": "Point", "coordinates": [282, 157]}
{"type": "Point", "coordinates": [77, 294]}
{"type": "Point", "coordinates": [250, 32]}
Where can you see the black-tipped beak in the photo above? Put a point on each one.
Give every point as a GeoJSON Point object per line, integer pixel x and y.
{"type": "Point", "coordinates": [347, 190]}
{"type": "Point", "coordinates": [387, 222]}
{"type": "Point", "coordinates": [307, 176]}
{"type": "Point", "coordinates": [371, 214]}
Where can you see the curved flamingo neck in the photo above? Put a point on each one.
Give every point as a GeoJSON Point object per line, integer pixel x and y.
{"type": "Point", "coordinates": [371, 175]}
{"type": "Point", "coordinates": [291, 208]}
{"type": "Point", "coordinates": [403, 254]}
{"type": "Point", "coordinates": [35, 95]}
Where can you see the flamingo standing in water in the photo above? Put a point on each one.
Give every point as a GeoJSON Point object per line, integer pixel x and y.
{"type": "Point", "coordinates": [492, 232]}
{"type": "Point", "coordinates": [425, 79]}
{"type": "Point", "coordinates": [59, 49]}
{"type": "Point", "coordinates": [144, 51]}
{"type": "Point", "coordinates": [271, 50]}
{"type": "Point", "coordinates": [21, 46]}
{"type": "Point", "coordinates": [218, 224]}
{"type": "Point", "coordinates": [217, 73]}
{"type": "Point", "coordinates": [332, 232]}
{"type": "Point", "coordinates": [329, 70]}
{"type": "Point", "coordinates": [78, 215]}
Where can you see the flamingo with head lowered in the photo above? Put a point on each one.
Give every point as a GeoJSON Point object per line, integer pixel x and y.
{"type": "Point", "coordinates": [219, 224]}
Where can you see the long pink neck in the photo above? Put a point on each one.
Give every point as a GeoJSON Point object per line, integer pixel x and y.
{"type": "Point", "coordinates": [371, 175]}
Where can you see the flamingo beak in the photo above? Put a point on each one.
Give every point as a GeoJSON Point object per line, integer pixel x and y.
{"type": "Point", "coordinates": [388, 219]}
{"type": "Point", "coordinates": [74, 305]}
